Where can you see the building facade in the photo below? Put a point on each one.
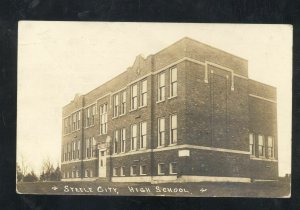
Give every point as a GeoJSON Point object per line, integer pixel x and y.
{"type": "Point", "coordinates": [188, 113]}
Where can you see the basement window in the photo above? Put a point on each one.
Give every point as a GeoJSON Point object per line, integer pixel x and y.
{"type": "Point", "coordinates": [86, 173]}
{"type": "Point", "coordinates": [143, 170]}
{"type": "Point", "coordinates": [133, 170]}
{"type": "Point", "coordinates": [122, 169]}
{"type": "Point", "coordinates": [115, 171]}
{"type": "Point", "coordinates": [161, 169]}
{"type": "Point", "coordinates": [173, 168]}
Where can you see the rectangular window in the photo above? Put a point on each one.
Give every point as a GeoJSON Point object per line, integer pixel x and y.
{"type": "Point", "coordinates": [66, 125]}
{"type": "Point", "coordinates": [116, 105]}
{"type": "Point", "coordinates": [143, 90]}
{"type": "Point", "coordinates": [87, 117]}
{"type": "Point", "coordinates": [78, 121]}
{"type": "Point", "coordinates": [74, 149]}
{"type": "Point", "coordinates": [122, 171]}
{"type": "Point", "coordinates": [134, 97]}
{"type": "Point", "coordinates": [87, 147]}
{"type": "Point", "coordinates": [261, 146]}
{"type": "Point", "coordinates": [173, 129]}
{"type": "Point", "coordinates": [77, 173]}
{"type": "Point", "coordinates": [115, 171]}
{"type": "Point", "coordinates": [270, 147]}
{"type": "Point", "coordinates": [251, 144]}
{"type": "Point", "coordinates": [93, 148]}
{"type": "Point", "coordinates": [116, 141]}
{"type": "Point", "coordinates": [143, 135]}
{"type": "Point", "coordinates": [173, 82]}
{"type": "Point", "coordinates": [103, 119]}
{"type": "Point", "coordinates": [86, 174]}
{"type": "Point", "coordinates": [161, 169]}
{"type": "Point", "coordinates": [91, 173]}
{"type": "Point", "coordinates": [93, 115]}
{"type": "Point", "coordinates": [74, 117]}
{"type": "Point", "coordinates": [133, 136]}
{"type": "Point", "coordinates": [69, 151]}
{"type": "Point", "coordinates": [173, 168]}
{"type": "Point", "coordinates": [143, 170]}
{"type": "Point", "coordinates": [65, 152]}
{"type": "Point", "coordinates": [161, 87]}
{"type": "Point", "coordinates": [69, 124]}
{"type": "Point", "coordinates": [123, 139]}
{"type": "Point", "coordinates": [161, 132]}
{"type": "Point", "coordinates": [133, 170]}
{"type": "Point", "coordinates": [123, 102]}
{"type": "Point", "coordinates": [78, 149]}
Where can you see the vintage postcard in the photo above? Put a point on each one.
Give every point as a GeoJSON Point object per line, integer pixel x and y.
{"type": "Point", "coordinates": [163, 109]}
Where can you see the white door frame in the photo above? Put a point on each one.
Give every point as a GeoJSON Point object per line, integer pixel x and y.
{"type": "Point", "coordinates": [102, 163]}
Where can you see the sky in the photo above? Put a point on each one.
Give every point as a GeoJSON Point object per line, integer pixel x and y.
{"type": "Point", "coordinates": [56, 60]}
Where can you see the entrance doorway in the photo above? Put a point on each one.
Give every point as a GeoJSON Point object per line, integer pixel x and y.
{"type": "Point", "coordinates": [102, 163]}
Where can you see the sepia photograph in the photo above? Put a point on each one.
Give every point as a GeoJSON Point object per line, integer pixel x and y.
{"type": "Point", "coordinates": [154, 109]}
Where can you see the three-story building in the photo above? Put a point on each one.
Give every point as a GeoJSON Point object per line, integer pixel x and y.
{"type": "Point", "coordinates": [188, 113]}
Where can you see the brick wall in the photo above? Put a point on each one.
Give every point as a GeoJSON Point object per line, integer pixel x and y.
{"type": "Point", "coordinates": [216, 115]}
{"type": "Point", "coordinates": [263, 170]}
{"type": "Point", "coordinates": [263, 121]}
{"type": "Point", "coordinates": [130, 160]}
{"type": "Point", "coordinates": [209, 114]}
{"type": "Point", "coordinates": [212, 163]}
{"type": "Point", "coordinates": [203, 52]}
{"type": "Point", "coordinates": [171, 106]}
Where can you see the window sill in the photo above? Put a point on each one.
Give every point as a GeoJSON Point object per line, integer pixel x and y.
{"type": "Point", "coordinates": [114, 117]}
{"type": "Point", "coordinates": [142, 106]}
{"type": "Point", "coordinates": [89, 126]}
{"type": "Point", "coordinates": [74, 131]}
{"type": "Point", "coordinates": [171, 145]}
{"type": "Point", "coordinates": [133, 150]}
{"type": "Point", "coordinates": [160, 146]}
{"type": "Point", "coordinates": [157, 102]}
{"type": "Point", "coordinates": [131, 110]}
{"type": "Point", "coordinates": [160, 174]}
{"type": "Point", "coordinates": [144, 148]}
{"type": "Point", "coordinates": [132, 174]}
{"type": "Point", "coordinates": [172, 97]}
{"type": "Point", "coordinates": [173, 173]}
{"type": "Point", "coordinates": [122, 115]}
